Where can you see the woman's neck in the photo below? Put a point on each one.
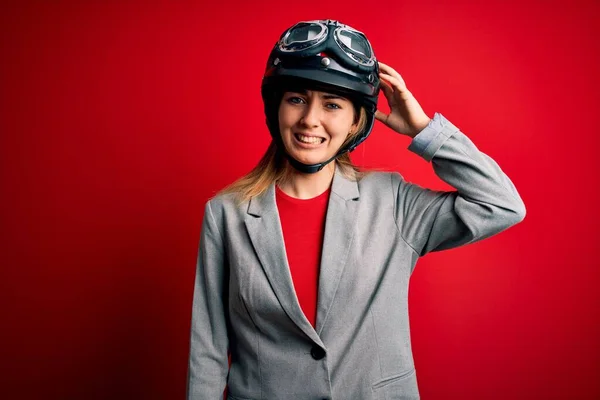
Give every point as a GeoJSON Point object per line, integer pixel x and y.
{"type": "Point", "coordinates": [307, 186]}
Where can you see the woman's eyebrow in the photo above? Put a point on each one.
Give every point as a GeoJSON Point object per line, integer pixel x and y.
{"type": "Point", "coordinates": [333, 97]}
{"type": "Point", "coordinates": [326, 96]}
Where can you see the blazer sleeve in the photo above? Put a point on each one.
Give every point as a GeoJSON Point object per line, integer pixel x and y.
{"type": "Point", "coordinates": [208, 362]}
{"type": "Point", "coordinates": [484, 203]}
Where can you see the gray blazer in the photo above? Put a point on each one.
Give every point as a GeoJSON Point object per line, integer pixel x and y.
{"type": "Point", "coordinates": [375, 231]}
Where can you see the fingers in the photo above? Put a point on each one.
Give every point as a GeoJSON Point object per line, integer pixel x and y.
{"type": "Point", "coordinates": [395, 82]}
{"type": "Point", "coordinates": [381, 116]}
{"type": "Point", "coordinates": [388, 92]}
{"type": "Point", "coordinates": [391, 71]}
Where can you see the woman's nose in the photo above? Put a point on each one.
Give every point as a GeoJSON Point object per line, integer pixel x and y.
{"type": "Point", "coordinates": [312, 115]}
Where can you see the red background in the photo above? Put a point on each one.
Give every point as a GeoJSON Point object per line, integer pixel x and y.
{"type": "Point", "coordinates": [118, 121]}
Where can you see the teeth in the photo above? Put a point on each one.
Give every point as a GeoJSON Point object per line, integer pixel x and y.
{"type": "Point", "coordinates": [309, 139]}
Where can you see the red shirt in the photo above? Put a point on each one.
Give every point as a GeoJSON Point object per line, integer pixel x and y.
{"type": "Point", "coordinates": [303, 226]}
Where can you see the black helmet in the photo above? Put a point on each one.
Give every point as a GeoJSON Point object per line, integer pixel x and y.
{"type": "Point", "coordinates": [321, 55]}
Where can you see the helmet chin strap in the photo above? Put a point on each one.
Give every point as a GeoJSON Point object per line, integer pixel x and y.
{"type": "Point", "coordinates": [308, 168]}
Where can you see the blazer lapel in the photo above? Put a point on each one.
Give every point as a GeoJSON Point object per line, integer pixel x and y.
{"type": "Point", "coordinates": [339, 231]}
{"type": "Point", "coordinates": [264, 228]}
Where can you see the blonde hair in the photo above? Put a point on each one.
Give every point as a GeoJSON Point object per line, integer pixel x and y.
{"type": "Point", "coordinates": [273, 167]}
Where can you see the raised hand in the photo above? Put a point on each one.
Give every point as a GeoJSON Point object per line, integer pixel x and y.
{"type": "Point", "coordinates": [406, 115]}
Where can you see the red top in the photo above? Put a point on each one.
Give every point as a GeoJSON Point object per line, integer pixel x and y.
{"type": "Point", "coordinates": [303, 226]}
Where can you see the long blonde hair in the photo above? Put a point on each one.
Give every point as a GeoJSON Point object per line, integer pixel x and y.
{"type": "Point", "coordinates": [273, 167]}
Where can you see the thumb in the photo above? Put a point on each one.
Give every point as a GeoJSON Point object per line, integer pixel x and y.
{"type": "Point", "coordinates": [381, 116]}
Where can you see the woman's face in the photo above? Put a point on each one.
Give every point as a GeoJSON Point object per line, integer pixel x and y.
{"type": "Point", "coordinates": [314, 124]}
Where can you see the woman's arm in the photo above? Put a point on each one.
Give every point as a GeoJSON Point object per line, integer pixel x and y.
{"type": "Point", "coordinates": [208, 364]}
{"type": "Point", "coordinates": [486, 201]}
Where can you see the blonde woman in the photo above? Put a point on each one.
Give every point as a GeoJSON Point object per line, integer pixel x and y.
{"type": "Point", "coordinates": [304, 264]}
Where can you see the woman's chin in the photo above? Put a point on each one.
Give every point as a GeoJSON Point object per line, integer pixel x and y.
{"type": "Point", "coordinates": [310, 159]}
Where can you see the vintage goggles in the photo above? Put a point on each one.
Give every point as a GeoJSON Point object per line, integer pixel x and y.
{"type": "Point", "coordinates": [313, 37]}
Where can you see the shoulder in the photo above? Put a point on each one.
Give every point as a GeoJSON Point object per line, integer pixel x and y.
{"type": "Point", "coordinates": [223, 200]}
{"type": "Point", "coordinates": [379, 180]}
{"type": "Point", "coordinates": [378, 187]}
{"type": "Point", "coordinates": [224, 204]}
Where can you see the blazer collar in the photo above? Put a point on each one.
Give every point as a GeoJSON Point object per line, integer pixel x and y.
{"type": "Point", "coordinates": [345, 188]}
{"type": "Point", "coordinates": [264, 229]}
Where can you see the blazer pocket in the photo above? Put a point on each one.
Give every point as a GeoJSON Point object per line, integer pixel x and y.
{"type": "Point", "coordinates": [382, 383]}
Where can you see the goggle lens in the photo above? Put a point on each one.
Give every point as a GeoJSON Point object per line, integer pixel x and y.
{"type": "Point", "coordinates": [303, 36]}
{"type": "Point", "coordinates": [355, 42]}
{"type": "Point", "coordinates": [304, 33]}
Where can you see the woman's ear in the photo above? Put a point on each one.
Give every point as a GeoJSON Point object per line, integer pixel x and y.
{"type": "Point", "coordinates": [356, 113]}
{"type": "Point", "coordinates": [356, 122]}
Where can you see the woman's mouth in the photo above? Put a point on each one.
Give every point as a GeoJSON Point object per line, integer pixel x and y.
{"type": "Point", "coordinates": [309, 140]}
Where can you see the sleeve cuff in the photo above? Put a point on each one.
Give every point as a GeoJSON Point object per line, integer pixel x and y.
{"type": "Point", "coordinates": [427, 142]}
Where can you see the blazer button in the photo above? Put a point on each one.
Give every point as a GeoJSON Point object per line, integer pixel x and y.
{"type": "Point", "coordinates": [317, 353]}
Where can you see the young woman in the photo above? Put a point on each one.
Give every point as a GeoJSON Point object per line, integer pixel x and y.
{"type": "Point", "coordinates": [304, 264]}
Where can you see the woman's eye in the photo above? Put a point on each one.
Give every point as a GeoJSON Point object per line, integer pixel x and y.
{"type": "Point", "coordinates": [333, 106]}
{"type": "Point", "coordinates": [295, 100]}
